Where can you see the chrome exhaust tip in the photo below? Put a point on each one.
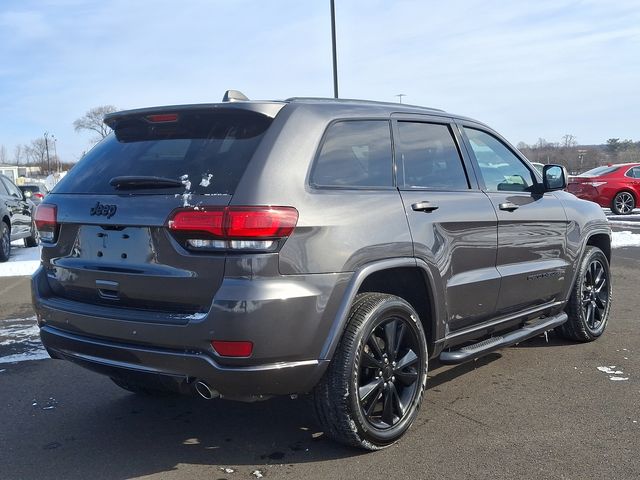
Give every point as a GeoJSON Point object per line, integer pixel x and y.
{"type": "Point", "coordinates": [205, 391]}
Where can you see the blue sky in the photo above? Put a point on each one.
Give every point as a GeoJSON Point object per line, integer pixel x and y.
{"type": "Point", "coordinates": [529, 69]}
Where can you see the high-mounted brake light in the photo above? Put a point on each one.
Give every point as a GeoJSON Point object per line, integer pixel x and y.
{"type": "Point", "coordinates": [236, 228]}
{"type": "Point", "coordinates": [162, 117]}
{"type": "Point", "coordinates": [45, 218]}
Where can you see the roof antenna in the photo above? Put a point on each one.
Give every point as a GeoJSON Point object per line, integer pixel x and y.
{"type": "Point", "coordinates": [234, 96]}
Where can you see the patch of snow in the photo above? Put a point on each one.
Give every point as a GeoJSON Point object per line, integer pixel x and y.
{"type": "Point", "coordinates": [257, 474]}
{"type": "Point", "coordinates": [227, 469]}
{"type": "Point", "coordinates": [3, 370]}
{"type": "Point", "coordinates": [22, 262]}
{"type": "Point", "coordinates": [206, 180]}
{"type": "Point", "coordinates": [610, 370]}
{"type": "Point", "coordinates": [24, 357]}
{"type": "Point", "coordinates": [625, 238]}
{"type": "Point", "coordinates": [186, 182]}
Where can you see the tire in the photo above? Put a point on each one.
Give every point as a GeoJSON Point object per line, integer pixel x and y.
{"type": "Point", "coordinates": [5, 242]}
{"type": "Point", "coordinates": [623, 203]}
{"type": "Point", "coordinates": [147, 390]}
{"type": "Point", "coordinates": [34, 239]}
{"type": "Point", "coordinates": [590, 301]}
{"type": "Point", "coordinates": [366, 398]}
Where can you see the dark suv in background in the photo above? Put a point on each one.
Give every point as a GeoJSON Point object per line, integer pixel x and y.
{"type": "Point", "coordinates": [15, 218]}
{"type": "Point", "coordinates": [246, 249]}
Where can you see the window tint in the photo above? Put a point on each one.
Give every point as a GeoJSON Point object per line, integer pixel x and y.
{"type": "Point", "coordinates": [11, 188]}
{"type": "Point", "coordinates": [3, 189]}
{"type": "Point", "coordinates": [599, 171]}
{"type": "Point", "coordinates": [500, 168]}
{"type": "Point", "coordinates": [634, 172]}
{"type": "Point", "coordinates": [212, 148]}
{"type": "Point", "coordinates": [355, 154]}
{"type": "Point", "coordinates": [427, 157]}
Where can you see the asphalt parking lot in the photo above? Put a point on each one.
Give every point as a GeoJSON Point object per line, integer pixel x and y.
{"type": "Point", "coordinates": [544, 409]}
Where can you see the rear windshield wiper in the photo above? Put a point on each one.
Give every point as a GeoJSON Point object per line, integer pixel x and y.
{"type": "Point", "coordinates": [133, 182]}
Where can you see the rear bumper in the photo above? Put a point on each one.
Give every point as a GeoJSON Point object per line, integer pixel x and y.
{"type": "Point", "coordinates": [288, 319]}
{"type": "Point", "coordinates": [119, 360]}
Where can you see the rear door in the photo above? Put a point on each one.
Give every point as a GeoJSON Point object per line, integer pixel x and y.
{"type": "Point", "coordinates": [113, 246]}
{"type": "Point", "coordinates": [532, 256]}
{"type": "Point", "coordinates": [452, 222]}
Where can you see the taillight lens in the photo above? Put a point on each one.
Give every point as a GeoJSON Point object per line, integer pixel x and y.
{"type": "Point", "coordinates": [38, 195]}
{"type": "Point", "coordinates": [45, 218]}
{"type": "Point", "coordinates": [232, 349]}
{"type": "Point", "coordinates": [234, 228]}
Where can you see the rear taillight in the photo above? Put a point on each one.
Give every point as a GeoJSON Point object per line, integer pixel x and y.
{"type": "Point", "coordinates": [45, 218]}
{"type": "Point", "coordinates": [233, 228]}
{"type": "Point", "coordinates": [38, 195]}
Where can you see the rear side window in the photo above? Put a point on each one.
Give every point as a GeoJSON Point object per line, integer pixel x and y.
{"type": "Point", "coordinates": [355, 153]}
{"type": "Point", "coordinates": [634, 172]}
{"type": "Point", "coordinates": [427, 157]}
{"type": "Point", "coordinates": [208, 149]}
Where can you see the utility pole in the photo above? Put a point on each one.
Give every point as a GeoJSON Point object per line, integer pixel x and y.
{"type": "Point", "coordinates": [333, 47]}
{"type": "Point", "coordinates": [55, 153]}
{"type": "Point", "coordinates": [46, 146]}
{"type": "Point", "coordinates": [400, 95]}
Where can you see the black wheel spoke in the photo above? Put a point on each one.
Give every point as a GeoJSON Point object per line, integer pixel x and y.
{"type": "Point", "coordinates": [369, 361]}
{"type": "Point", "coordinates": [399, 339]}
{"type": "Point", "coordinates": [387, 406]}
{"type": "Point", "coordinates": [409, 359]}
{"type": "Point", "coordinates": [374, 402]}
{"type": "Point", "coordinates": [390, 330]}
{"type": "Point", "coordinates": [407, 377]}
{"type": "Point", "coordinates": [365, 392]}
{"type": "Point", "coordinates": [397, 401]}
{"type": "Point", "coordinates": [375, 347]}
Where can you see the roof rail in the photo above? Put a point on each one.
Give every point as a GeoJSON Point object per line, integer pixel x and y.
{"type": "Point", "coordinates": [354, 100]}
{"type": "Point", "coordinates": [234, 96]}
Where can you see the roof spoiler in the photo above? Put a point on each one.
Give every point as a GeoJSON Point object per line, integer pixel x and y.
{"type": "Point", "coordinates": [234, 96]}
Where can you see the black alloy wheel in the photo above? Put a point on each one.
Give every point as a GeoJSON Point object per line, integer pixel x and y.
{"type": "Point", "coordinates": [388, 373]}
{"type": "Point", "coordinates": [373, 388]}
{"type": "Point", "coordinates": [595, 294]}
{"type": "Point", "coordinates": [590, 300]}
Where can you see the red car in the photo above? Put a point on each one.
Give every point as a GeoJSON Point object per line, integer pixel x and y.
{"type": "Point", "coordinates": [613, 186]}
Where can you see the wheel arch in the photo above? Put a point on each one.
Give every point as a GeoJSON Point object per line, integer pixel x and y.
{"type": "Point", "coordinates": [404, 277]}
{"type": "Point", "coordinates": [602, 241]}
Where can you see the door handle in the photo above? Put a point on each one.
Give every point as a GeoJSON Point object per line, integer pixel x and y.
{"type": "Point", "coordinates": [508, 206]}
{"type": "Point", "coordinates": [424, 207]}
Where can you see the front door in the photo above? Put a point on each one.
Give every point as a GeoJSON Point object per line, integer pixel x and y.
{"type": "Point", "coordinates": [532, 257]}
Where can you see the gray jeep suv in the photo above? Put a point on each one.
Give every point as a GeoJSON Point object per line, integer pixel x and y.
{"type": "Point", "coordinates": [246, 249]}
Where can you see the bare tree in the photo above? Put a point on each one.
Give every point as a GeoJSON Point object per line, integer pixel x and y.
{"type": "Point", "coordinates": [3, 155]}
{"type": "Point", "coordinates": [18, 154]}
{"type": "Point", "coordinates": [36, 153]}
{"type": "Point", "coordinates": [93, 121]}
{"type": "Point", "coordinates": [569, 141]}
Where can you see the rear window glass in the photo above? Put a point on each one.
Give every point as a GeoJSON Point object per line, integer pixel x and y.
{"type": "Point", "coordinates": [355, 153]}
{"type": "Point", "coordinates": [596, 172]}
{"type": "Point", "coordinates": [209, 150]}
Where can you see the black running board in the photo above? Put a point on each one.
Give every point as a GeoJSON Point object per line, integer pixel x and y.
{"type": "Point", "coordinates": [489, 345]}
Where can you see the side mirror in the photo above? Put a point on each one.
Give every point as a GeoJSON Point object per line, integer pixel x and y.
{"type": "Point", "coordinates": [554, 177]}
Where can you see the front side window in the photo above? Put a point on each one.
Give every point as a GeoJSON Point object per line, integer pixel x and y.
{"type": "Point", "coordinates": [500, 168]}
{"type": "Point", "coordinates": [12, 189]}
{"type": "Point", "coordinates": [427, 157]}
{"type": "Point", "coordinates": [355, 153]}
